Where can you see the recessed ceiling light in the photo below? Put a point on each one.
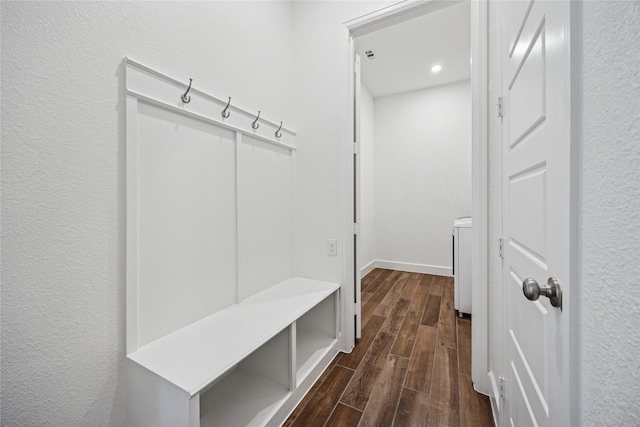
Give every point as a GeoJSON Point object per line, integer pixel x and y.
{"type": "Point", "coordinates": [436, 68]}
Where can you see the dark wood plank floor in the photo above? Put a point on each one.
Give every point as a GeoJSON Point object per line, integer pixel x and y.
{"type": "Point", "coordinates": [411, 367]}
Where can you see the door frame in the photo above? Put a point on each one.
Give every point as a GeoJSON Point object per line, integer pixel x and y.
{"type": "Point", "coordinates": [479, 87]}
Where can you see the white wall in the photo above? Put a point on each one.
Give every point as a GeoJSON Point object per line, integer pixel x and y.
{"type": "Point", "coordinates": [63, 177]}
{"type": "Point", "coordinates": [610, 289]}
{"type": "Point", "coordinates": [367, 250]}
{"type": "Point", "coordinates": [321, 50]}
{"type": "Point", "coordinates": [422, 174]}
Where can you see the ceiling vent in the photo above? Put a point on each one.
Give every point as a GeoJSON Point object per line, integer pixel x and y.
{"type": "Point", "coordinates": [370, 54]}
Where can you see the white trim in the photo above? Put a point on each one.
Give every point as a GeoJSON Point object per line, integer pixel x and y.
{"type": "Point", "coordinates": [575, 296]}
{"type": "Point", "coordinates": [394, 14]}
{"type": "Point", "coordinates": [479, 200]}
{"type": "Point", "coordinates": [357, 288]}
{"type": "Point", "coordinates": [132, 64]}
{"type": "Point", "coordinates": [208, 120]}
{"type": "Point", "coordinates": [132, 226]}
{"type": "Point", "coordinates": [368, 268]}
{"type": "Point", "coordinates": [437, 270]}
{"type": "Point", "coordinates": [347, 296]}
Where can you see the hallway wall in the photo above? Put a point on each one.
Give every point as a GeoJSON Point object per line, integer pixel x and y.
{"type": "Point", "coordinates": [63, 177]}
{"type": "Point", "coordinates": [609, 288]}
{"type": "Point", "coordinates": [422, 175]}
{"type": "Point", "coordinates": [63, 181]}
{"type": "Point", "coordinates": [321, 50]}
{"type": "Point", "coordinates": [63, 170]}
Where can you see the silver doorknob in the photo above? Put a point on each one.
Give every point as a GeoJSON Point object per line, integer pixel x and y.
{"type": "Point", "coordinates": [532, 290]}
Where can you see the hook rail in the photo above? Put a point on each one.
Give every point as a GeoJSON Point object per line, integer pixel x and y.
{"type": "Point", "coordinates": [139, 74]}
{"type": "Point", "coordinates": [205, 119]}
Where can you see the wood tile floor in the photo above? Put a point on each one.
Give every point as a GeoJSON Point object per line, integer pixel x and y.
{"type": "Point", "coordinates": [411, 367]}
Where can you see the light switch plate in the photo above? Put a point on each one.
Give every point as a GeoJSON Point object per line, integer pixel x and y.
{"type": "Point", "coordinates": [332, 247]}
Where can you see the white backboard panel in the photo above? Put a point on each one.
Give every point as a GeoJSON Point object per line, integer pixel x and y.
{"type": "Point", "coordinates": [186, 221]}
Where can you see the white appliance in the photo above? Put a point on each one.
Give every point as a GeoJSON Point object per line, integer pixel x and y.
{"type": "Point", "coordinates": [462, 264]}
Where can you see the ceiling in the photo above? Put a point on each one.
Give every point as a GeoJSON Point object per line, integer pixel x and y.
{"type": "Point", "coordinates": [405, 52]}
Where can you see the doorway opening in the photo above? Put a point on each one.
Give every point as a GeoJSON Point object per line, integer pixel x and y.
{"type": "Point", "coordinates": [388, 109]}
{"type": "Point", "coordinates": [415, 141]}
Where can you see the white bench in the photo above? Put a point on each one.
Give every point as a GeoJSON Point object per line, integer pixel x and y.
{"type": "Point", "coordinates": [248, 364]}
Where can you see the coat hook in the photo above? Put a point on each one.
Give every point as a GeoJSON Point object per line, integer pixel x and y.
{"type": "Point", "coordinates": [255, 123]}
{"type": "Point", "coordinates": [278, 133]}
{"type": "Point", "coordinates": [186, 98]}
{"type": "Point", "coordinates": [226, 113]}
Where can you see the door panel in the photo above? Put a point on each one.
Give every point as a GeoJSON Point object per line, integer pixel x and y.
{"type": "Point", "coordinates": [527, 209]}
{"type": "Point", "coordinates": [534, 344]}
{"type": "Point", "coordinates": [514, 19]}
{"type": "Point", "coordinates": [536, 158]}
{"type": "Point", "coordinates": [527, 92]}
{"type": "Point", "coordinates": [538, 402]}
{"type": "Point", "coordinates": [521, 412]}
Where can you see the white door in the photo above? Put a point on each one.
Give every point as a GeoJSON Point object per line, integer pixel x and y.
{"type": "Point", "coordinates": [536, 150]}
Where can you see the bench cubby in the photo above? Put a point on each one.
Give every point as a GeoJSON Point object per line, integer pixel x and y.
{"type": "Point", "coordinates": [315, 332]}
{"type": "Point", "coordinates": [245, 365]}
{"type": "Point", "coordinates": [254, 390]}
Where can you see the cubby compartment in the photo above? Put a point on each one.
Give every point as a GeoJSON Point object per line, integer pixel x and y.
{"type": "Point", "coordinates": [315, 336]}
{"type": "Point", "coordinates": [253, 391]}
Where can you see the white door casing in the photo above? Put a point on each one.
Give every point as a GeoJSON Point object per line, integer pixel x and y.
{"type": "Point", "coordinates": [537, 211]}
{"type": "Point", "coordinates": [357, 274]}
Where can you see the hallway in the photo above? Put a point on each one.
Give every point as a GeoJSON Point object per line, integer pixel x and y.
{"type": "Point", "coordinates": [412, 366]}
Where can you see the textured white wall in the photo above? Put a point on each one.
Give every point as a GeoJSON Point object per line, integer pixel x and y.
{"type": "Point", "coordinates": [367, 250]}
{"type": "Point", "coordinates": [610, 310]}
{"type": "Point", "coordinates": [63, 177]}
{"type": "Point", "coordinates": [423, 172]}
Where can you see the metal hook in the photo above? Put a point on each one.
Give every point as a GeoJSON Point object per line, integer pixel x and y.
{"type": "Point", "coordinates": [186, 98]}
{"type": "Point", "coordinates": [255, 123]}
{"type": "Point", "coordinates": [226, 113]}
{"type": "Point", "coordinates": [278, 133]}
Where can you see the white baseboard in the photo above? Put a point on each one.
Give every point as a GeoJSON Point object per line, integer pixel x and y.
{"type": "Point", "coordinates": [436, 270]}
{"type": "Point", "coordinates": [367, 268]}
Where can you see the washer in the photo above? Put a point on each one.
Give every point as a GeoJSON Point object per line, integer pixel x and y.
{"type": "Point", "coordinates": [462, 264]}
